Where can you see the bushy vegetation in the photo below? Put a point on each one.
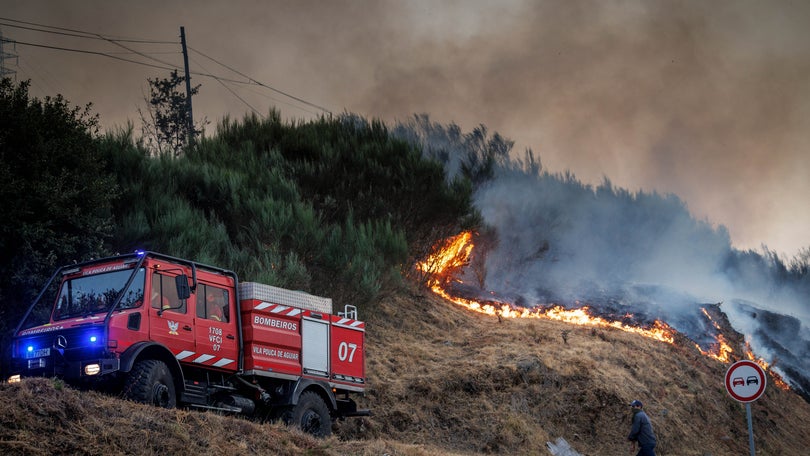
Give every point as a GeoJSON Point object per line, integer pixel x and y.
{"type": "Point", "coordinates": [55, 190]}
{"type": "Point", "coordinates": [331, 206]}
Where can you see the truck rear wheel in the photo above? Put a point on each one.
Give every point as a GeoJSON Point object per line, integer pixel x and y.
{"type": "Point", "coordinates": [310, 415]}
{"type": "Point", "coordinates": [150, 382]}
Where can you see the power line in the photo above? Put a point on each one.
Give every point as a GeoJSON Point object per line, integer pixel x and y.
{"type": "Point", "coordinates": [79, 33]}
{"type": "Point", "coordinates": [163, 64]}
{"type": "Point", "coordinates": [231, 91]}
{"type": "Point", "coordinates": [250, 88]}
{"type": "Point", "coordinates": [262, 84]}
{"type": "Point", "coordinates": [91, 35]}
{"type": "Point", "coordinates": [134, 51]}
{"type": "Point", "coordinates": [168, 66]}
{"type": "Point", "coordinates": [85, 51]}
{"type": "Point", "coordinates": [222, 81]}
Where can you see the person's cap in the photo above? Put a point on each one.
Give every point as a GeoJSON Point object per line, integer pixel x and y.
{"type": "Point", "coordinates": [636, 403]}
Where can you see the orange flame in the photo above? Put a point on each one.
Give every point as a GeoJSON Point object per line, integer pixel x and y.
{"type": "Point", "coordinates": [455, 252]}
{"type": "Point", "coordinates": [659, 330]}
{"type": "Point", "coordinates": [720, 350]}
{"type": "Point", "coordinates": [775, 377]}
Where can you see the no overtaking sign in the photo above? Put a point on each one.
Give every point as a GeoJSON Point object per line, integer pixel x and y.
{"type": "Point", "coordinates": [745, 381]}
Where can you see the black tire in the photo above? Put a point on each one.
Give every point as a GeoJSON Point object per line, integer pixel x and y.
{"type": "Point", "coordinates": [311, 415]}
{"type": "Point", "coordinates": [151, 382]}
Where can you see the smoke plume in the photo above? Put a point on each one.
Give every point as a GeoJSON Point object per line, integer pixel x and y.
{"type": "Point", "coordinates": [559, 241]}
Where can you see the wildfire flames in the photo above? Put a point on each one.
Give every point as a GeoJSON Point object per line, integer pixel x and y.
{"type": "Point", "coordinates": [581, 316]}
{"type": "Point", "coordinates": [454, 253]}
{"type": "Point", "coordinates": [775, 377]}
{"type": "Point", "coordinates": [720, 350]}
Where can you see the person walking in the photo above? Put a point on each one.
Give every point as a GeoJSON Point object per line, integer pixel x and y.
{"type": "Point", "coordinates": [642, 431]}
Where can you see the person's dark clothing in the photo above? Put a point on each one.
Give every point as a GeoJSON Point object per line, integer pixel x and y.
{"type": "Point", "coordinates": [642, 432]}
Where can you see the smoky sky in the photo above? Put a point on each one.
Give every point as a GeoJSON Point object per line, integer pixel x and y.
{"type": "Point", "coordinates": [706, 100]}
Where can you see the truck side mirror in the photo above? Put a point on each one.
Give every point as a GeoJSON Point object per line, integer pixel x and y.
{"type": "Point", "coordinates": [183, 290]}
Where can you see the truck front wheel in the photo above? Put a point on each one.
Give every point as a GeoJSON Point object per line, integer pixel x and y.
{"type": "Point", "coordinates": [150, 382]}
{"type": "Point", "coordinates": [310, 415]}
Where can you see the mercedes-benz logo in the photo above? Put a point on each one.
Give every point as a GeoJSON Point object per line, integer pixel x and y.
{"type": "Point", "coordinates": [60, 342]}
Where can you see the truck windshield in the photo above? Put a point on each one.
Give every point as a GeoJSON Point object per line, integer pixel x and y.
{"type": "Point", "coordinates": [93, 294]}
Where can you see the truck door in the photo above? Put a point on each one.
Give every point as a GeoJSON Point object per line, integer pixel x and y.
{"type": "Point", "coordinates": [170, 322]}
{"type": "Point", "coordinates": [216, 336]}
{"type": "Point", "coordinates": [315, 345]}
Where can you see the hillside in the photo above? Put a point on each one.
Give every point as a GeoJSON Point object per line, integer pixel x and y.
{"type": "Point", "coordinates": [447, 381]}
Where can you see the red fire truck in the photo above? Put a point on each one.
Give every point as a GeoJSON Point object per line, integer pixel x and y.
{"type": "Point", "coordinates": [167, 331]}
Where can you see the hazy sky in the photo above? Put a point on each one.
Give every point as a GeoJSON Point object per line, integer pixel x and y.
{"type": "Point", "coordinates": [707, 100]}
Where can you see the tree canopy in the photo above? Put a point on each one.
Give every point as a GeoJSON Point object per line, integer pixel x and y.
{"type": "Point", "coordinates": [55, 189]}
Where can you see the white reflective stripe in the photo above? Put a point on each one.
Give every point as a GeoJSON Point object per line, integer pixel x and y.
{"type": "Point", "coordinates": [345, 322]}
{"type": "Point", "coordinates": [223, 362]}
{"type": "Point", "coordinates": [278, 308]}
{"type": "Point", "coordinates": [355, 328]}
{"type": "Point", "coordinates": [184, 354]}
{"type": "Point", "coordinates": [203, 358]}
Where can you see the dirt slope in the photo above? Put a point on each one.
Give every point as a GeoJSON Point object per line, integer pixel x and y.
{"type": "Point", "coordinates": [445, 381]}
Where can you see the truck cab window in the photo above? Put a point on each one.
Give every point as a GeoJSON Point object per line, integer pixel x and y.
{"type": "Point", "coordinates": [133, 297]}
{"type": "Point", "coordinates": [213, 303]}
{"type": "Point", "coordinates": [91, 294]}
{"type": "Point", "coordinates": [164, 294]}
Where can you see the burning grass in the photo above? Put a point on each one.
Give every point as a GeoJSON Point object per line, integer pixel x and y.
{"type": "Point", "coordinates": [450, 257]}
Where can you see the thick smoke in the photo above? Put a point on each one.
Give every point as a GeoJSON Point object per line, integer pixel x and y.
{"type": "Point", "coordinates": [559, 241]}
{"type": "Point", "coordinates": [708, 100]}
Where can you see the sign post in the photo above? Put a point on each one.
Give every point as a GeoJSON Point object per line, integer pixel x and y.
{"type": "Point", "coordinates": [745, 382]}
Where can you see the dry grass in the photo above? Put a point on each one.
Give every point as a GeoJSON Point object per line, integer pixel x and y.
{"type": "Point", "coordinates": [469, 383]}
{"type": "Point", "coordinates": [444, 381]}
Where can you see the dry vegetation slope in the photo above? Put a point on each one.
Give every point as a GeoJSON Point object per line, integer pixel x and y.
{"type": "Point", "coordinates": [470, 383]}
{"type": "Point", "coordinates": [446, 381]}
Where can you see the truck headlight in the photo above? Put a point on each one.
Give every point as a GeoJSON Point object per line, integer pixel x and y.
{"type": "Point", "coordinates": [92, 369]}
{"type": "Point", "coordinates": [14, 378]}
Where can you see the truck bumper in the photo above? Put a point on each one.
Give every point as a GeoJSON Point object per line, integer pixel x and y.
{"type": "Point", "coordinates": [55, 366]}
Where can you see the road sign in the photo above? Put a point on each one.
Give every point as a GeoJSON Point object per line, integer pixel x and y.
{"type": "Point", "coordinates": [745, 381]}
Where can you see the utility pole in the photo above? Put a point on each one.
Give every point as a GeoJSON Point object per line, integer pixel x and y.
{"type": "Point", "coordinates": [4, 71]}
{"type": "Point", "coordinates": [189, 115]}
